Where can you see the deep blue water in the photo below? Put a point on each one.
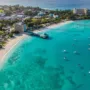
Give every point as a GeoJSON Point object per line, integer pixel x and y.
{"type": "Point", "coordinates": [37, 64]}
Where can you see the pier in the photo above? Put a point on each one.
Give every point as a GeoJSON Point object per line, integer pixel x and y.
{"type": "Point", "coordinates": [43, 36]}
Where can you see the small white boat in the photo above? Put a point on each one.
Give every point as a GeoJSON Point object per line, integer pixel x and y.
{"type": "Point", "coordinates": [64, 51]}
{"type": "Point", "coordinates": [77, 53]}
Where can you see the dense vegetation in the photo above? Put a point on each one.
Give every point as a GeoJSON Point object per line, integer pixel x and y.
{"type": "Point", "coordinates": [4, 33]}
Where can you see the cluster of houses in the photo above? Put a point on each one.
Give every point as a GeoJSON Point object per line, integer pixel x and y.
{"type": "Point", "coordinates": [22, 27]}
{"type": "Point", "coordinates": [15, 15]}
{"type": "Point", "coordinates": [43, 13]}
{"type": "Point", "coordinates": [21, 16]}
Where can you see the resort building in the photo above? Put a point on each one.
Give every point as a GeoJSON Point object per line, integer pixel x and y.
{"type": "Point", "coordinates": [17, 16]}
{"type": "Point", "coordinates": [55, 16]}
{"type": "Point", "coordinates": [80, 11]}
{"type": "Point", "coordinates": [88, 12]}
{"type": "Point", "coordinates": [20, 27]}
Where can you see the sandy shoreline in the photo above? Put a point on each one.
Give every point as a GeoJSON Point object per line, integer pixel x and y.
{"type": "Point", "coordinates": [59, 24]}
{"type": "Point", "coordinates": [12, 42]}
{"type": "Point", "coordinates": [53, 26]}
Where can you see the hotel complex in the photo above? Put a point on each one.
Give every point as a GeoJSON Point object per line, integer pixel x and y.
{"type": "Point", "coordinates": [84, 11]}
{"type": "Point", "coordinates": [20, 27]}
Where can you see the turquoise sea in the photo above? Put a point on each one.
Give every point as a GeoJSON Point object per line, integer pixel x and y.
{"type": "Point", "coordinates": [37, 64]}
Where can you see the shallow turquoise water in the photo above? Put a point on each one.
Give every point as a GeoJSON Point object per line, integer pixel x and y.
{"type": "Point", "coordinates": [37, 64]}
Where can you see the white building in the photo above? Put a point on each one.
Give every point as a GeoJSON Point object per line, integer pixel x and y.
{"type": "Point", "coordinates": [20, 27]}
{"type": "Point", "coordinates": [17, 16]}
{"type": "Point", "coordinates": [80, 11]}
{"type": "Point", "coordinates": [7, 18]}
{"type": "Point", "coordinates": [55, 16]}
{"type": "Point", "coordinates": [20, 16]}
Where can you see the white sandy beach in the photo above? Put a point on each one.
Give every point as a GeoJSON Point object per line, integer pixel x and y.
{"type": "Point", "coordinates": [52, 26]}
{"type": "Point", "coordinates": [59, 24]}
{"type": "Point", "coordinates": [12, 42]}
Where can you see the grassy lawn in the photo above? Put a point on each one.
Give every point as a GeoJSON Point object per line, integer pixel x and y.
{"type": "Point", "coordinates": [1, 11]}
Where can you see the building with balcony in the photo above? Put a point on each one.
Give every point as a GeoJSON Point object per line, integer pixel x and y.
{"type": "Point", "coordinates": [20, 27]}
{"type": "Point", "coordinates": [80, 11]}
